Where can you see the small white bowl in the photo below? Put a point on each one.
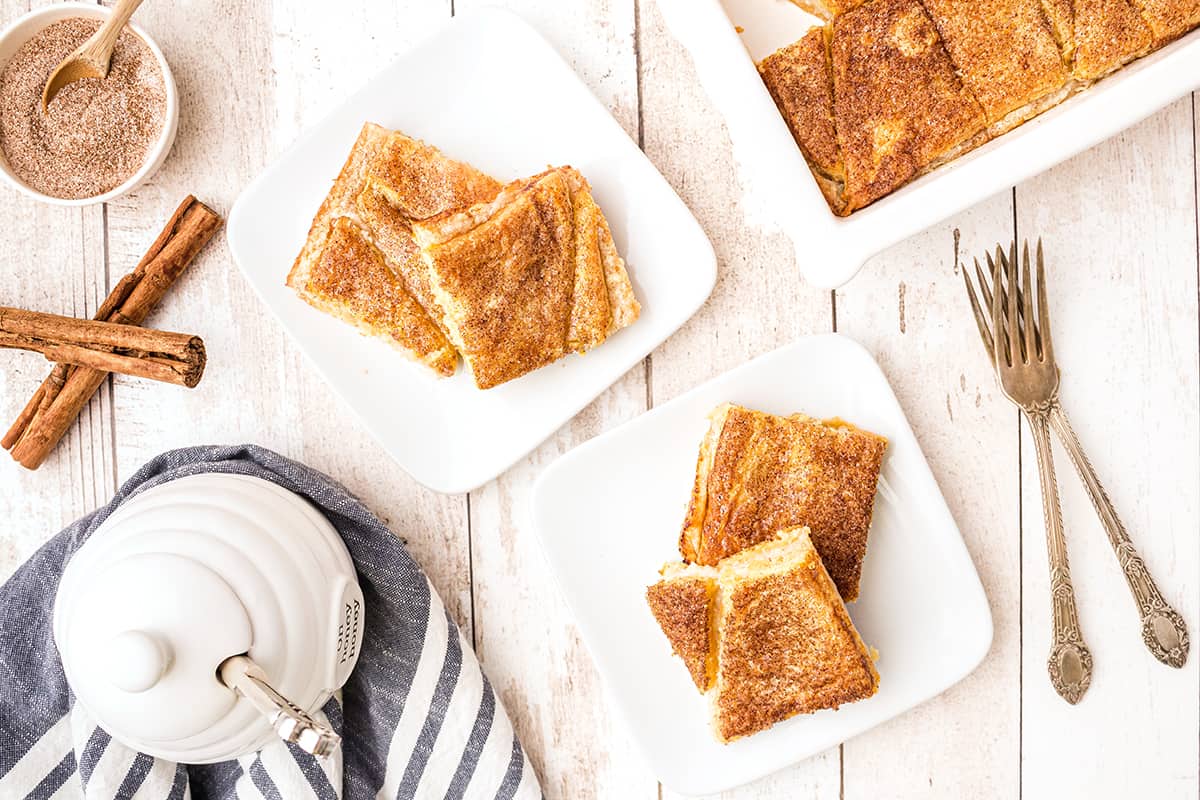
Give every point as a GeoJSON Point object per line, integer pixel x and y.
{"type": "Point", "coordinates": [25, 28]}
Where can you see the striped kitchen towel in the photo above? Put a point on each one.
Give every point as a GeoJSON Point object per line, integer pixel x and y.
{"type": "Point", "coordinates": [418, 718]}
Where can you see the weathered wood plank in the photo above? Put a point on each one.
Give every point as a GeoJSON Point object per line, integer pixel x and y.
{"type": "Point", "coordinates": [54, 261]}
{"type": "Point", "coordinates": [524, 633]}
{"type": "Point", "coordinates": [526, 637]}
{"type": "Point", "coordinates": [908, 307]}
{"type": "Point", "coordinates": [290, 66]}
{"type": "Point", "coordinates": [1119, 223]}
{"type": "Point", "coordinates": [223, 139]}
{"type": "Point", "coordinates": [320, 55]}
{"type": "Point", "coordinates": [759, 302]}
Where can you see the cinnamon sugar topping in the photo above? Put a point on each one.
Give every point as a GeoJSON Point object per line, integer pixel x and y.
{"type": "Point", "coordinates": [97, 132]}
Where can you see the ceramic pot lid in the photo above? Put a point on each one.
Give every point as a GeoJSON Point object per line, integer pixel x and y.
{"type": "Point", "coordinates": [156, 627]}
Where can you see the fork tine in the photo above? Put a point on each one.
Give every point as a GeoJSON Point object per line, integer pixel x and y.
{"type": "Point", "coordinates": [1003, 355]}
{"type": "Point", "coordinates": [980, 320]}
{"type": "Point", "coordinates": [1019, 288]}
{"type": "Point", "coordinates": [1015, 345]}
{"type": "Point", "coordinates": [985, 290]}
{"type": "Point", "coordinates": [1003, 288]}
{"type": "Point", "coordinates": [1008, 263]}
{"type": "Point", "coordinates": [1028, 337]}
{"type": "Point", "coordinates": [1043, 307]}
{"type": "Point", "coordinates": [1004, 262]}
{"type": "Point", "coordinates": [1000, 327]}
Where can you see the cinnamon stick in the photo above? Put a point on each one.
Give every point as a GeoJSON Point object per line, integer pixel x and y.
{"type": "Point", "coordinates": [64, 393]}
{"type": "Point", "coordinates": [176, 358]}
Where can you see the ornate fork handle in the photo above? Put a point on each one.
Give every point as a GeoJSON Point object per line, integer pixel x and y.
{"type": "Point", "coordinates": [1070, 662]}
{"type": "Point", "coordinates": [1163, 629]}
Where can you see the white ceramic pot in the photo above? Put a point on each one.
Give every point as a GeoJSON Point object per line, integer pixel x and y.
{"type": "Point", "coordinates": [153, 609]}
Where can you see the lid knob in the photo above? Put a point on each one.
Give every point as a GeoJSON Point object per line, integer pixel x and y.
{"type": "Point", "coordinates": [136, 660]}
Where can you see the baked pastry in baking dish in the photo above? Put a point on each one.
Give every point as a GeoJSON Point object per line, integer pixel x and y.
{"type": "Point", "coordinates": [1169, 19]}
{"type": "Point", "coordinates": [899, 107]}
{"type": "Point", "coordinates": [799, 80]}
{"type": "Point", "coordinates": [827, 9]}
{"type": "Point", "coordinates": [910, 84]}
{"type": "Point", "coordinates": [1006, 54]}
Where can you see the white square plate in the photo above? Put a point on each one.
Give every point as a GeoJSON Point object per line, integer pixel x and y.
{"type": "Point", "coordinates": [486, 89]}
{"type": "Point", "coordinates": [780, 190]}
{"type": "Point", "coordinates": [609, 514]}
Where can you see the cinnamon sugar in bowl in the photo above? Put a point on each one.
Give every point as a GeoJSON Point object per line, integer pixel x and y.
{"type": "Point", "coordinates": [100, 138]}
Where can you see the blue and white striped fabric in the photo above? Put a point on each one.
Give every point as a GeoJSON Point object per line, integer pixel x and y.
{"type": "Point", "coordinates": [418, 717]}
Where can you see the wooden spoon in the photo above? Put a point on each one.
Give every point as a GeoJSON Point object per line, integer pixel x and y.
{"type": "Point", "coordinates": [94, 56]}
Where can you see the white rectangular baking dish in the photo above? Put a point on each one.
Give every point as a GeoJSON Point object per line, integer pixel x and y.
{"type": "Point", "coordinates": [780, 192]}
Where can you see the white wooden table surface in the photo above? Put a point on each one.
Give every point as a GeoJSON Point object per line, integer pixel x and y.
{"type": "Point", "coordinates": [1120, 224]}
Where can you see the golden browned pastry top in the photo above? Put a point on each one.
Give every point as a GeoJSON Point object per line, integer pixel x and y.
{"type": "Point", "coordinates": [340, 199]}
{"type": "Point", "coordinates": [514, 282]}
{"type": "Point", "coordinates": [411, 180]}
{"type": "Point", "coordinates": [1169, 19]}
{"type": "Point", "coordinates": [787, 645]}
{"type": "Point", "coordinates": [899, 106]}
{"type": "Point", "coordinates": [623, 306]}
{"type": "Point", "coordinates": [827, 9]}
{"type": "Point", "coordinates": [422, 182]}
{"type": "Point", "coordinates": [591, 311]}
{"type": "Point", "coordinates": [504, 273]}
{"type": "Point", "coordinates": [799, 80]}
{"type": "Point", "coordinates": [681, 603]}
{"type": "Point", "coordinates": [603, 301]}
{"type": "Point", "coordinates": [1005, 51]}
{"type": "Point", "coordinates": [391, 231]}
{"type": "Point", "coordinates": [759, 473]}
{"type": "Point", "coordinates": [1108, 33]}
{"type": "Point", "coordinates": [528, 277]}
{"type": "Point", "coordinates": [368, 148]}
{"type": "Point", "coordinates": [325, 273]}
{"type": "Point", "coordinates": [1060, 17]}
{"type": "Point", "coordinates": [349, 278]}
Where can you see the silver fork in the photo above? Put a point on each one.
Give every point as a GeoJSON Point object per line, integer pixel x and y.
{"type": "Point", "coordinates": [1163, 629]}
{"type": "Point", "coordinates": [1025, 369]}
